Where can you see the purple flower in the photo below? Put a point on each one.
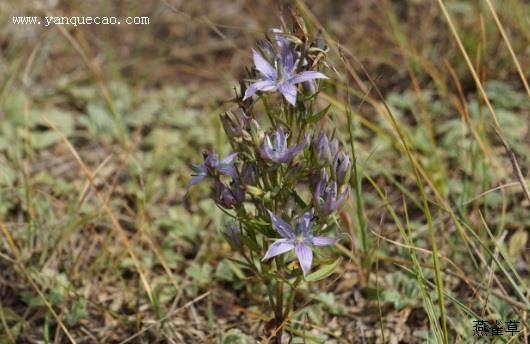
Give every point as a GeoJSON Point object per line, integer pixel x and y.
{"type": "Point", "coordinates": [321, 150]}
{"type": "Point", "coordinates": [279, 37]}
{"type": "Point", "coordinates": [300, 238]}
{"type": "Point", "coordinates": [334, 147]}
{"type": "Point", "coordinates": [212, 167]}
{"type": "Point", "coordinates": [341, 167]}
{"type": "Point", "coordinates": [228, 196]}
{"type": "Point", "coordinates": [249, 174]}
{"type": "Point", "coordinates": [276, 149]}
{"type": "Point", "coordinates": [236, 129]}
{"type": "Point", "coordinates": [233, 233]}
{"type": "Point", "coordinates": [326, 197]}
{"type": "Point", "coordinates": [282, 77]}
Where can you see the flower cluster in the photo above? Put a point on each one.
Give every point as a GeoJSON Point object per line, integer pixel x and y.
{"type": "Point", "coordinates": [284, 184]}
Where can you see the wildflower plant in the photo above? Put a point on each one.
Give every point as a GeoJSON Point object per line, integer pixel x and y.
{"type": "Point", "coordinates": [287, 176]}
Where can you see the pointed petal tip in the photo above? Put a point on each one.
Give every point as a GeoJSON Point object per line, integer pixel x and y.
{"type": "Point", "coordinates": [278, 247]}
{"type": "Point", "coordinates": [305, 257]}
{"type": "Point", "coordinates": [324, 241]}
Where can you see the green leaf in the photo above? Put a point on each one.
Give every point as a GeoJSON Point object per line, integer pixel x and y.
{"type": "Point", "coordinates": [7, 175]}
{"type": "Point", "coordinates": [63, 120]}
{"type": "Point", "coordinates": [324, 271]}
{"type": "Point", "coordinates": [517, 242]}
{"type": "Point", "coordinates": [77, 312]}
{"type": "Point", "coordinates": [249, 243]}
{"type": "Point", "coordinates": [44, 139]}
{"type": "Point", "coordinates": [199, 273]}
{"type": "Point", "coordinates": [318, 116]}
{"type": "Point", "coordinates": [235, 336]}
{"type": "Point", "coordinates": [328, 300]}
{"type": "Point", "coordinates": [223, 271]}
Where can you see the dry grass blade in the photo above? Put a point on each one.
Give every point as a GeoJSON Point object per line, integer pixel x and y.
{"type": "Point", "coordinates": [515, 165]}
{"type": "Point", "coordinates": [101, 241]}
{"type": "Point", "coordinates": [509, 45]}
{"type": "Point", "coordinates": [484, 96]}
{"type": "Point", "coordinates": [116, 225]}
{"type": "Point", "coordinates": [15, 251]}
{"type": "Point", "coordinates": [168, 316]}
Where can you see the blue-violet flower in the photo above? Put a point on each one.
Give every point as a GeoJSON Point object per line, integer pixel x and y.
{"type": "Point", "coordinates": [282, 77]}
{"type": "Point", "coordinates": [300, 239]}
{"type": "Point", "coordinates": [326, 197]}
{"type": "Point", "coordinates": [276, 149]}
{"type": "Point", "coordinates": [212, 167]}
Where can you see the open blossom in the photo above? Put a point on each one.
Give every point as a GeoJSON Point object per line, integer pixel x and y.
{"type": "Point", "coordinates": [282, 77]}
{"type": "Point", "coordinates": [298, 237]}
{"type": "Point", "coordinates": [212, 167]}
{"type": "Point", "coordinates": [276, 149]}
{"type": "Point", "coordinates": [326, 197]}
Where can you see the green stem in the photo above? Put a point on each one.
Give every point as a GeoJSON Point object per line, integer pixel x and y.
{"type": "Point", "coordinates": [290, 301]}
{"type": "Point", "coordinates": [357, 183]}
{"type": "Point", "coordinates": [279, 301]}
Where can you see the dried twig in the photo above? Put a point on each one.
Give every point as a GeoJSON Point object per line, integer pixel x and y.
{"type": "Point", "coordinates": [515, 164]}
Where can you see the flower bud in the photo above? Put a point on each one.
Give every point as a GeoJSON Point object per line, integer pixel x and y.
{"type": "Point", "coordinates": [327, 197]}
{"type": "Point", "coordinates": [249, 174]}
{"type": "Point", "coordinates": [256, 132]}
{"type": "Point", "coordinates": [334, 147]}
{"type": "Point", "coordinates": [226, 196]}
{"type": "Point", "coordinates": [321, 150]}
{"type": "Point", "coordinates": [232, 234]}
{"type": "Point", "coordinates": [231, 128]}
{"type": "Point", "coordinates": [341, 168]}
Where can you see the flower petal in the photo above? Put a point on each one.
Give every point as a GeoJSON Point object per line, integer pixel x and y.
{"type": "Point", "coordinates": [287, 60]}
{"type": "Point", "coordinates": [267, 150]}
{"type": "Point", "coordinates": [281, 226]}
{"type": "Point", "coordinates": [330, 203]}
{"type": "Point", "coordinates": [260, 85]}
{"type": "Point", "coordinates": [289, 92]}
{"type": "Point", "coordinates": [263, 66]}
{"type": "Point", "coordinates": [305, 221]}
{"type": "Point", "coordinates": [196, 179]}
{"type": "Point", "coordinates": [306, 76]}
{"type": "Point", "coordinates": [211, 159]}
{"type": "Point", "coordinates": [279, 37]}
{"type": "Point", "coordinates": [281, 139]}
{"type": "Point", "coordinates": [199, 169]}
{"type": "Point", "coordinates": [278, 247]}
{"type": "Point", "coordinates": [341, 199]}
{"type": "Point", "coordinates": [305, 257]}
{"type": "Point", "coordinates": [291, 152]}
{"type": "Point", "coordinates": [229, 158]}
{"type": "Point", "coordinates": [228, 170]}
{"type": "Point", "coordinates": [324, 241]}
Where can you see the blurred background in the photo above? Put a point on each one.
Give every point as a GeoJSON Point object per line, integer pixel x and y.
{"type": "Point", "coordinates": [99, 123]}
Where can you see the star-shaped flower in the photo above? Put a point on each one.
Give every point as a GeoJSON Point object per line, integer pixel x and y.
{"type": "Point", "coordinates": [282, 77]}
{"type": "Point", "coordinates": [300, 239]}
{"type": "Point", "coordinates": [212, 167]}
{"type": "Point", "coordinates": [274, 147]}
